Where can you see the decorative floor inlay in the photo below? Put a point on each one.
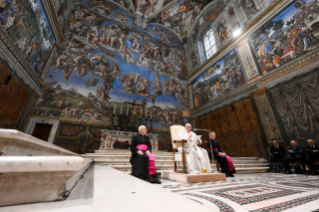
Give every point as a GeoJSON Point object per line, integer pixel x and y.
{"type": "Point", "coordinates": [223, 207]}
{"type": "Point", "coordinates": [250, 194]}
{"type": "Point", "coordinates": [277, 192]}
{"type": "Point", "coordinates": [288, 204]}
{"type": "Point", "coordinates": [301, 185]}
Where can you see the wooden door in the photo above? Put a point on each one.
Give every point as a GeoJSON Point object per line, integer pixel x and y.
{"type": "Point", "coordinates": [236, 129]}
{"type": "Point", "coordinates": [42, 131]}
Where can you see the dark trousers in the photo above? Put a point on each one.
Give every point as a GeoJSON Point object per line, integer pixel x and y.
{"type": "Point", "coordinates": [288, 160]}
{"type": "Point", "coordinates": [309, 162]}
{"type": "Point", "coordinates": [277, 164]}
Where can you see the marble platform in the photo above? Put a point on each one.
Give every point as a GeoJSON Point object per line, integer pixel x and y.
{"type": "Point", "coordinates": [106, 189]}
{"type": "Point", "coordinates": [193, 178]}
{"type": "Point", "coordinates": [16, 143]}
{"type": "Point", "coordinates": [36, 179]}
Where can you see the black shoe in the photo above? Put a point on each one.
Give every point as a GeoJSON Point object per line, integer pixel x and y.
{"type": "Point", "coordinates": [157, 182]}
{"type": "Point", "coordinates": [307, 173]}
{"type": "Point", "coordinates": [229, 175]}
{"type": "Point", "coordinates": [288, 172]}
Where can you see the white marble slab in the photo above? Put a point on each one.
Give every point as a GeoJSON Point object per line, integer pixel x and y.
{"type": "Point", "coordinates": [16, 143]}
{"type": "Point", "coordinates": [23, 164]}
{"type": "Point", "coordinates": [106, 189]}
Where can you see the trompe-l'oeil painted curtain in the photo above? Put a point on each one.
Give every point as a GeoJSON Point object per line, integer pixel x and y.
{"type": "Point", "coordinates": [297, 103]}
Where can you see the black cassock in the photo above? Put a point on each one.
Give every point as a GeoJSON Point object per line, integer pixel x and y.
{"type": "Point", "coordinates": [223, 162]}
{"type": "Point", "coordinates": [140, 163]}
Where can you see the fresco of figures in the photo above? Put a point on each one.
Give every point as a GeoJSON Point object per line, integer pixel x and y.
{"type": "Point", "coordinates": [108, 66]}
{"type": "Point", "coordinates": [180, 15]}
{"type": "Point", "coordinates": [26, 23]}
{"type": "Point", "coordinates": [62, 8]}
{"type": "Point", "coordinates": [249, 7]}
{"type": "Point", "coordinates": [128, 4]}
{"type": "Point", "coordinates": [291, 34]}
{"type": "Point", "coordinates": [224, 76]}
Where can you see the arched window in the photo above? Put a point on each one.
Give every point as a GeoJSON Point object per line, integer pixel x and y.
{"type": "Point", "coordinates": [209, 43]}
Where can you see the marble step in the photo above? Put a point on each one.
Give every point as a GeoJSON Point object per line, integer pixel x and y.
{"type": "Point", "coordinates": [117, 159]}
{"type": "Point", "coordinates": [156, 153]}
{"type": "Point", "coordinates": [125, 157]}
{"type": "Point", "coordinates": [171, 167]}
{"type": "Point", "coordinates": [169, 162]}
{"type": "Point", "coordinates": [238, 170]}
{"type": "Point", "coordinates": [252, 170]}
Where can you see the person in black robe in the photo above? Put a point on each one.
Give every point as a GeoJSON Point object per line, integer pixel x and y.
{"type": "Point", "coordinates": [312, 151]}
{"type": "Point", "coordinates": [224, 161]}
{"type": "Point", "coordinates": [143, 162]}
{"type": "Point", "coordinates": [278, 154]}
{"type": "Point", "coordinates": [296, 154]}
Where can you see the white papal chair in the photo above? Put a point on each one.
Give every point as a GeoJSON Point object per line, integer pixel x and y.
{"type": "Point", "coordinates": [178, 156]}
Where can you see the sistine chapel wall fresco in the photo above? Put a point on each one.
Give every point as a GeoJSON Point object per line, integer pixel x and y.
{"type": "Point", "coordinates": [109, 66]}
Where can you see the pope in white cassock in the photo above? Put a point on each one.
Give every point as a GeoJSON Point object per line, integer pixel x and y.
{"type": "Point", "coordinates": [197, 157]}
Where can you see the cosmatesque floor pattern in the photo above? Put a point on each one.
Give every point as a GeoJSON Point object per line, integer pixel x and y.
{"type": "Point", "coordinates": [262, 192]}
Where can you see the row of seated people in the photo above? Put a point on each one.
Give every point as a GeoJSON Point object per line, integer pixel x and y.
{"type": "Point", "coordinates": [306, 157]}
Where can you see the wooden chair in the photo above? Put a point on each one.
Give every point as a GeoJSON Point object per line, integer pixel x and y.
{"type": "Point", "coordinates": [216, 163]}
{"type": "Point", "coordinates": [178, 156]}
{"type": "Point", "coordinates": [205, 146]}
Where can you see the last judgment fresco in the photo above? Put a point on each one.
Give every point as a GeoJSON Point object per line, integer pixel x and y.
{"type": "Point", "coordinates": [107, 66]}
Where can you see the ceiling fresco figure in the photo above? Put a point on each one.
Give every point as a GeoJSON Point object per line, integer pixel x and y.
{"type": "Point", "coordinates": [27, 25]}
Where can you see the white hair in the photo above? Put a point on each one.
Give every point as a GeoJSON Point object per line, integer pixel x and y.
{"type": "Point", "coordinates": [188, 124]}
{"type": "Point", "coordinates": [140, 128]}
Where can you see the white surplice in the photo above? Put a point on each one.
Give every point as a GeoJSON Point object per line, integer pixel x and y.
{"type": "Point", "coordinates": [197, 157]}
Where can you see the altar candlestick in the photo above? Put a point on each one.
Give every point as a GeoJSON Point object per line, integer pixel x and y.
{"type": "Point", "coordinates": [121, 109]}
{"type": "Point", "coordinates": [151, 114]}
{"type": "Point", "coordinates": [127, 110]}
{"type": "Point", "coordinates": [114, 108]}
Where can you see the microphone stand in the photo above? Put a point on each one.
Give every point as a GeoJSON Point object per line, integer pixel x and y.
{"type": "Point", "coordinates": [215, 171]}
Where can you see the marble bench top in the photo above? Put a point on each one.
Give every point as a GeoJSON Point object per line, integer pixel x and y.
{"type": "Point", "coordinates": [23, 164]}
{"type": "Point", "coordinates": [17, 138]}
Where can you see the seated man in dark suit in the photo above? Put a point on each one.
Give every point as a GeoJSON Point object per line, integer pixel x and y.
{"type": "Point", "coordinates": [224, 160]}
{"type": "Point", "coordinates": [278, 154]}
{"type": "Point", "coordinates": [312, 151]}
{"type": "Point", "coordinates": [296, 154]}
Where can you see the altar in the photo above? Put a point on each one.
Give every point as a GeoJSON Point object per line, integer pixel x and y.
{"type": "Point", "coordinates": [110, 137]}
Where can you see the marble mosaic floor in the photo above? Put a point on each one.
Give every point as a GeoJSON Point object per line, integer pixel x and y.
{"type": "Point", "coordinates": [264, 192]}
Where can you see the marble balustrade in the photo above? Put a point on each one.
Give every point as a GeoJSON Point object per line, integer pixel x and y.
{"type": "Point", "coordinates": [109, 137]}
{"type": "Point", "coordinates": [33, 170]}
{"type": "Point", "coordinates": [16, 143]}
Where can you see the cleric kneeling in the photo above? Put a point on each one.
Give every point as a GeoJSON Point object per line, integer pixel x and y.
{"type": "Point", "coordinates": [143, 162]}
